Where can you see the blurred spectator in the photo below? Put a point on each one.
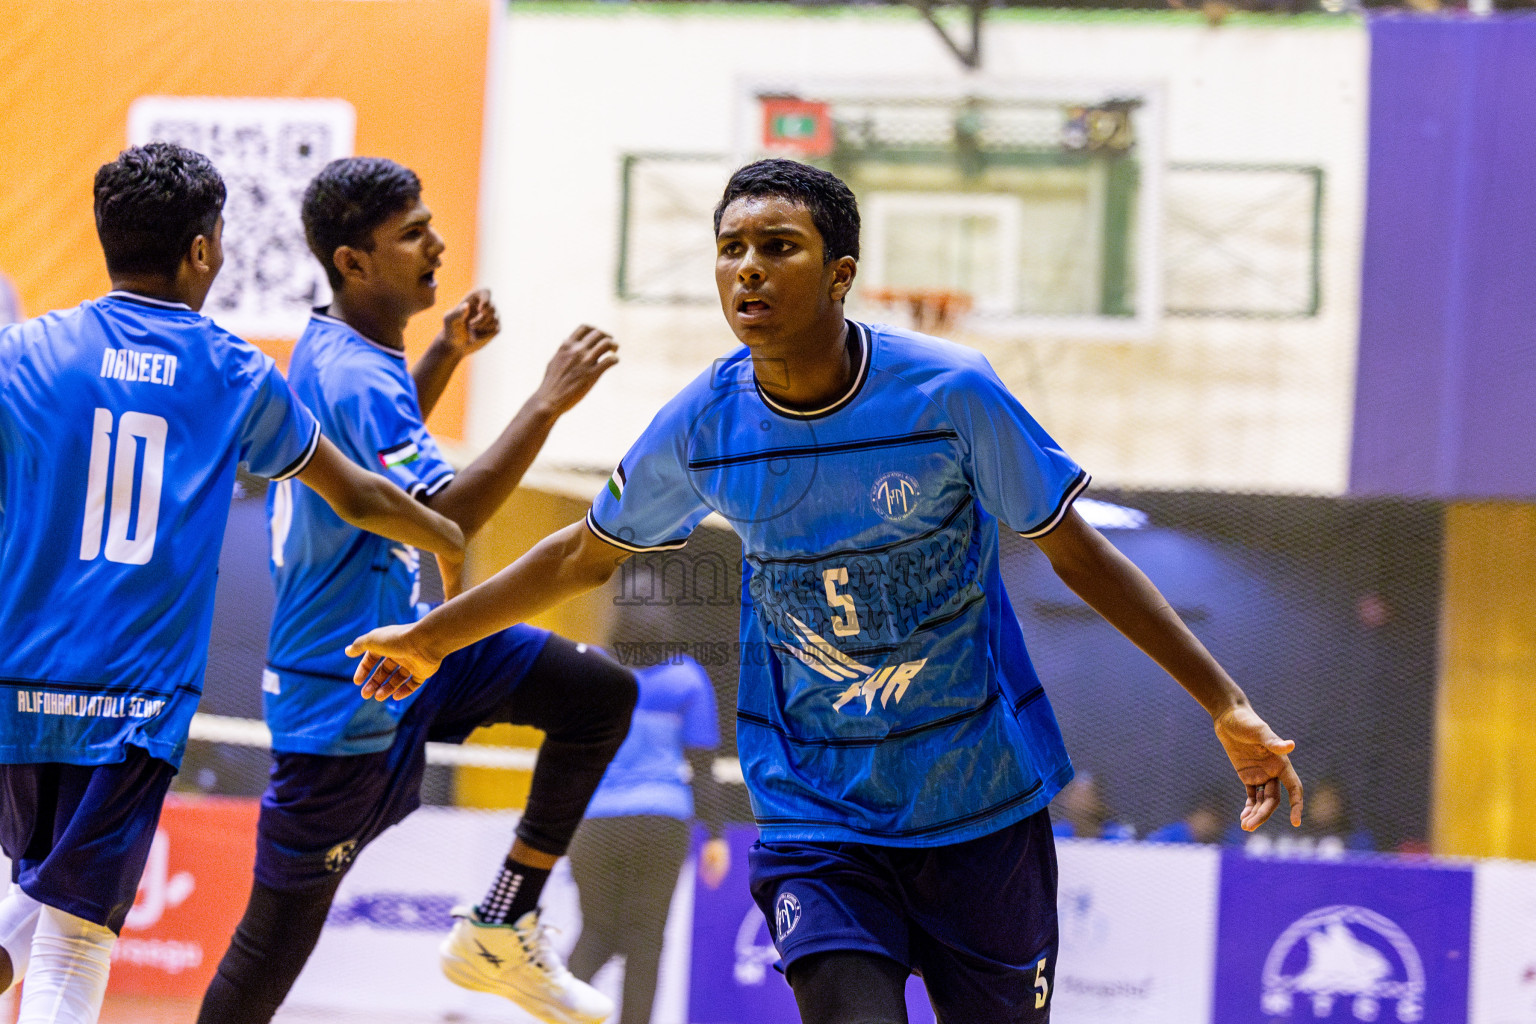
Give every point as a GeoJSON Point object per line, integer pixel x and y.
{"type": "Point", "coordinates": [1327, 830]}
{"type": "Point", "coordinates": [10, 303]}
{"type": "Point", "coordinates": [1202, 823]}
{"type": "Point", "coordinates": [626, 855]}
{"type": "Point", "coordinates": [1081, 812]}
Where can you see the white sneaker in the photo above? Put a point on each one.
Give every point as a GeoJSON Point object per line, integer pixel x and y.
{"type": "Point", "coordinates": [516, 961]}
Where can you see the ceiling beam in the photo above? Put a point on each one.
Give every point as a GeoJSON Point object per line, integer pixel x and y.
{"type": "Point", "coordinates": [969, 55]}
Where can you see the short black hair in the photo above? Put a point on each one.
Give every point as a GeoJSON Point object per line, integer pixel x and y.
{"type": "Point", "coordinates": [348, 199]}
{"type": "Point", "coordinates": [151, 202]}
{"type": "Point", "coordinates": [833, 209]}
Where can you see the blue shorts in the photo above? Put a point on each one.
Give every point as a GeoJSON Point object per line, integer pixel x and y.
{"type": "Point", "coordinates": [78, 835]}
{"type": "Point", "coordinates": [320, 810]}
{"type": "Point", "coordinates": [977, 919]}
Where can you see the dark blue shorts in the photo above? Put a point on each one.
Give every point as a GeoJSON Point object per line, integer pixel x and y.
{"type": "Point", "coordinates": [977, 919]}
{"type": "Point", "coordinates": [320, 810]}
{"type": "Point", "coordinates": [78, 835]}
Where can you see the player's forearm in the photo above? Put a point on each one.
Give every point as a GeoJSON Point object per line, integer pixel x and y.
{"type": "Point", "coordinates": [559, 567]}
{"type": "Point", "coordinates": [378, 506]}
{"type": "Point", "coordinates": [1112, 585]}
{"type": "Point", "coordinates": [480, 489]}
{"type": "Point", "coordinates": [432, 373]}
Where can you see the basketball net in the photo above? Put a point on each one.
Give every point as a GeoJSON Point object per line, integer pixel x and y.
{"type": "Point", "coordinates": [928, 310]}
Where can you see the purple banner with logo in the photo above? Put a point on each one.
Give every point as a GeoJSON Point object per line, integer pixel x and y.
{"type": "Point", "coordinates": [1342, 941]}
{"type": "Point", "coordinates": [734, 980]}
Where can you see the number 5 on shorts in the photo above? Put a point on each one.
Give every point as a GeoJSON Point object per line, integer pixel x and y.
{"type": "Point", "coordinates": [1042, 985]}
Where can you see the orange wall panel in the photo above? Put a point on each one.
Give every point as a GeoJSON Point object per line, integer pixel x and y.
{"type": "Point", "coordinates": [1485, 715]}
{"type": "Point", "coordinates": [415, 70]}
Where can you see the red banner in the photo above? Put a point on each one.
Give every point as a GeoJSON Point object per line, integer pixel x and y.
{"type": "Point", "coordinates": [190, 898]}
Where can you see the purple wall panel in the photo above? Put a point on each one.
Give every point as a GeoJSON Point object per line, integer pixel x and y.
{"type": "Point", "coordinates": [1446, 388]}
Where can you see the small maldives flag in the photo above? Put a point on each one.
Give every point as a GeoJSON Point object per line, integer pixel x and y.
{"type": "Point", "coordinates": [792, 125]}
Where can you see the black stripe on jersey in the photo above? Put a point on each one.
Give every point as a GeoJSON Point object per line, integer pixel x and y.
{"type": "Point", "coordinates": [866, 359]}
{"type": "Point", "coordinates": [910, 833]}
{"type": "Point", "coordinates": [604, 535]}
{"type": "Point", "coordinates": [299, 464]}
{"type": "Point", "coordinates": [306, 672]}
{"type": "Point", "coordinates": [812, 450]}
{"type": "Point", "coordinates": [438, 484]}
{"type": "Point", "coordinates": [1053, 520]}
{"type": "Point", "coordinates": [869, 741]}
{"type": "Point", "coordinates": [954, 514]}
{"type": "Point", "coordinates": [1028, 699]}
{"type": "Point", "coordinates": [98, 688]}
{"type": "Point", "coordinates": [402, 446]}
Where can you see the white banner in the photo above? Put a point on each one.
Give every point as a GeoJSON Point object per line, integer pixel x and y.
{"type": "Point", "coordinates": [379, 949]}
{"type": "Point", "coordinates": [1138, 933]}
{"type": "Point", "coordinates": [1504, 944]}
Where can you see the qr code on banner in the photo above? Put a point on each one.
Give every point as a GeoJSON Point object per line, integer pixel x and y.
{"type": "Point", "coordinates": [267, 150]}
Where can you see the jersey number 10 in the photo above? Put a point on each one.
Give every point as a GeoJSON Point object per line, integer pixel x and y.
{"type": "Point", "coordinates": [136, 432]}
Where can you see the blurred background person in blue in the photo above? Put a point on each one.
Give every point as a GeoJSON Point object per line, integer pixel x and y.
{"type": "Point", "coordinates": [1328, 832]}
{"type": "Point", "coordinates": [1080, 811]}
{"type": "Point", "coordinates": [1204, 822]}
{"type": "Point", "coordinates": [628, 851]}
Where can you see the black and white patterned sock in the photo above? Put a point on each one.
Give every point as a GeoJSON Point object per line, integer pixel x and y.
{"type": "Point", "coordinates": [515, 892]}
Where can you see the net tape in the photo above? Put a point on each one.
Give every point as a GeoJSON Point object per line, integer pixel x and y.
{"type": "Point", "coordinates": [252, 732]}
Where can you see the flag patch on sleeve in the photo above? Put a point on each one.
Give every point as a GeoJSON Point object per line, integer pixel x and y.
{"type": "Point", "coordinates": [399, 455]}
{"type": "Point", "coordinates": [616, 482]}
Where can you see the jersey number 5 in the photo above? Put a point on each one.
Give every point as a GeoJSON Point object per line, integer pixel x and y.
{"type": "Point", "coordinates": [135, 502]}
{"type": "Point", "coordinates": [846, 624]}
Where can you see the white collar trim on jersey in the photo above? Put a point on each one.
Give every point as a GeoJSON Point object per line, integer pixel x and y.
{"type": "Point", "coordinates": [121, 293]}
{"type": "Point", "coordinates": [865, 347]}
{"type": "Point", "coordinates": [326, 318]}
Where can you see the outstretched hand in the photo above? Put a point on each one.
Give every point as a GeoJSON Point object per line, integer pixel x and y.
{"type": "Point", "coordinates": [1263, 762]}
{"type": "Point", "coordinates": [580, 360]}
{"type": "Point", "coordinates": [470, 326]}
{"type": "Point", "coordinates": [393, 665]}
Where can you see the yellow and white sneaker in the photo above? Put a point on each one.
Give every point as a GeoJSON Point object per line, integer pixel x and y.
{"type": "Point", "coordinates": [517, 962]}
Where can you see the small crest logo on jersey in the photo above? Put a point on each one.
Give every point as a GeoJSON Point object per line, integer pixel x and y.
{"type": "Point", "coordinates": [1352, 954]}
{"type": "Point", "coordinates": [786, 913]}
{"type": "Point", "coordinates": [894, 496]}
{"type": "Point", "coordinates": [340, 855]}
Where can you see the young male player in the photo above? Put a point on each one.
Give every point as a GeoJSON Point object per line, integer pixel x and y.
{"type": "Point", "coordinates": [345, 769]}
{"type": "Point", "coordinates": [121, 422]}
{"type": "Point", "coordinates": [899, 749]}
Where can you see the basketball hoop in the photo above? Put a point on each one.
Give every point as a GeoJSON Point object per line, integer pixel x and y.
{"type": "Point", "coordinates": [929, 310]}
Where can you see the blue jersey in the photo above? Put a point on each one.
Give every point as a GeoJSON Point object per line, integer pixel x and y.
{"type": "Point", "coordinates": [121, 423]}
{"type": "Point", "coordinates": [649, 773]}
{"type": "Point", "coordinates": [334, 581]}
{"type": "Point", "coordinates": [886, 696]}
